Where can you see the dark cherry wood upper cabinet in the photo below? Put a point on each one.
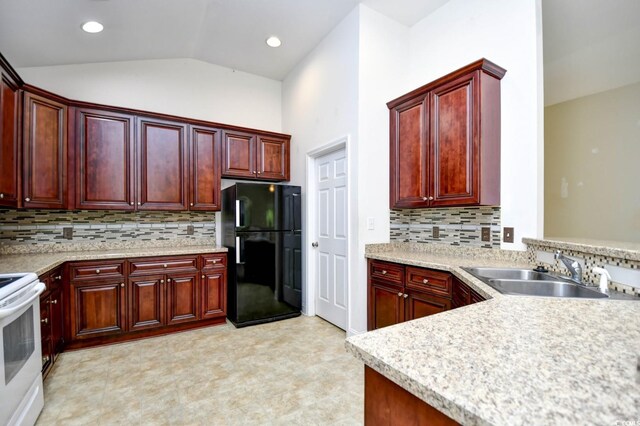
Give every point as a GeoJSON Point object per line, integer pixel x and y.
{"type": "Point", "coordinates": [9, 139]}
{"type": "Point", "coordinates": [255, 156]}
{"type": "Point", "coordinates": [238, 155]}
{"type": "Point", "coordinates": [408, 154]}
{"type": "Point", "coordinates": [447, 134]}
{"type": "Point", "coordinates": [105, 160]}
{"type": "Point", "coordinates": [272, 158]}
{"type": "Point", "coordinates": [204, 175]}
{"type": "Point", "coordinates": [44, 160]}
{"type": "Point", "coordinates": [162, 165]}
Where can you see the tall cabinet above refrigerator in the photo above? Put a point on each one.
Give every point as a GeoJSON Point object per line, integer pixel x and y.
{"type": "Point", "coordinates": [261, 226]}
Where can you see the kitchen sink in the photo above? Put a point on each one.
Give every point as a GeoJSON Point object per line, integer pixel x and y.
{"type": "Point", "coordinates": [526, 282]}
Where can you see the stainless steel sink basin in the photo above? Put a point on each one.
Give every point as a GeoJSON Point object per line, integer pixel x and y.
{"type": "Point", "coordinates": [545, 288]}
{"type": "Point", "coordinates": [527, 282]}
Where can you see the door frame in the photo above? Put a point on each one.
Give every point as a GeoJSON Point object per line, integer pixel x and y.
{"type": "Point", "coordinates": [311, 217]}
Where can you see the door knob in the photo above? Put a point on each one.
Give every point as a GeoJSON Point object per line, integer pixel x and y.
{"type": "Point", "coordinates": [314, 244]}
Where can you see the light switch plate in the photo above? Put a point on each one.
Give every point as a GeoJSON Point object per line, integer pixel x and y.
{"type": "Point", "coordinates": [507, 234]}
{"type": "Point", "coordinates": [371, 223]}
{"type": "Point", "coordinates": [485, 233]}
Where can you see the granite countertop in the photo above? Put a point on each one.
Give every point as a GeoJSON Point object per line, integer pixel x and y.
{"type": "Point", "coordinates": [621, 249]}
{"type": "Point", "coordinates": [44, 262]}
{"type": "Point", "coordinates": [512, 359]}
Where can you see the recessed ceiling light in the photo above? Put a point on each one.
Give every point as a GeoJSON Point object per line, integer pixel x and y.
{"type": "Point", "coordinates": [273, 41]}
{"type": "Point", "coordinates": [92, 27]}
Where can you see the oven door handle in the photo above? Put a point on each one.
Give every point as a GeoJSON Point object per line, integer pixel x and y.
{"type": "Point", "coordinates": [35, 292]}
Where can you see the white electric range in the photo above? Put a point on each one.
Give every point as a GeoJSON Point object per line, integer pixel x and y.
{"type": "Point", "coordinates": [21, 395]}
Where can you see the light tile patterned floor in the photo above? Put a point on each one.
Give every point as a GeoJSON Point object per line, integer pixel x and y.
{"type": "Point", "coordinates": [293, 372]}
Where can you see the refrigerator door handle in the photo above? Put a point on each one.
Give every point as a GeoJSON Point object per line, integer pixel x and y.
{"type": "Point", "coordinates": [238, 207]}
{"type": "Point", "coordinates": [238, 260]}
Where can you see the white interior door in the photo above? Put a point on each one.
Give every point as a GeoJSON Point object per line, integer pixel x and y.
{"type": "Point", "coordinates": [331, 238]}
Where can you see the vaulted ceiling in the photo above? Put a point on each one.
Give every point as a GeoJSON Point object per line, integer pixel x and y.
{"type": "Point", "coordinates": [230, 33]}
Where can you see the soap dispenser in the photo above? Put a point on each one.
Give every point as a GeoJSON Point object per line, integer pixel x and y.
{"type": "Point", "coordinates": [604, 279]}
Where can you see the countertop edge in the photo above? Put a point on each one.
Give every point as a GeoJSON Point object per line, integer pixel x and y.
{"type": "Point", "coordinates": [602, 250]}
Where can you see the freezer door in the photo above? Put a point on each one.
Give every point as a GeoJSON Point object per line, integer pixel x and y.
{"type": "Point", "coordinates": [292, 268]}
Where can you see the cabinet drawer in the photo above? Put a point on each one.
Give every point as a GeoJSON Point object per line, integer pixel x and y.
{"type": "Point", "coordinates": [386, 272]}
{"type": "Point", "coordinates": [214, 261]}
{"type": "Point", "coordinates": [92, 270]}
{"type": "Point", "coordinates": [427, 280]}
{"type": "Point", "coordinates": [160, 265]}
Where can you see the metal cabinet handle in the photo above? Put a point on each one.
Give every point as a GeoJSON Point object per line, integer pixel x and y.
{"type": "Point", "coordinates": [430, 198]}
{"type": "Point", "coordinates": [132, 203]}
{"type": "Point", "coordinates": [97, 271]}
{"type": "Point", "coordinates": [425, 281]}
{"type": "Point", "coordinates": [215, 260]}
{"type": "Point", "coordinates": [168, 280]}
{"type": "Point", "coordinates": [406, 295]}
{"type": "Point", "coordinates": [161, 281]}
{"type": "Point", "coordinates": [45, 359]}
{"type": "Point", "coordinates": [27, 199]}
{"type": "Point", "coordinates": [1, 195]}
{"type": "Point", "coordinates": [203, 277]}
{"type": "Point", "coordinates": [121, 284]}
{"type": "Point", "coordinates": [139, 203]}
{"type": "Point", "coordinates": [45, 320]}
{"type": "Point", "coordinates": [54, 302]}
{"type": "Point", "coordinates": [399, 294]}
{"type": "Point", "coordinates": [424, 198]}
{"type": "Point", "coordinates": [191, 204]}
{"type": "Point", "coordinates": [59, 277]}
{"type": "Point", "coordinates": [384, 272]}
{"type": "Point", "coordinates": [164, 266]}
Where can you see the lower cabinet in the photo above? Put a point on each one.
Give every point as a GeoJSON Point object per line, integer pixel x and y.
{"type": "Point", "coordinates": [400, 293]}
{"type": "Point", "coordinates": [97, 308]}
{"type": "Point", "coordinates": [51, 319]}
{"type": "Point", "coordinates": [126, 299]}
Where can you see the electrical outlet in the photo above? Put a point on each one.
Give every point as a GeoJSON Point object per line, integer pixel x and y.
{"type": "Point", "coordinates": [67, 233]}
{"type": "Point", "coordinates": [371, 223]}
{"type": "Point", "coordinates": [507, 234]}
{"type": "Point", "coordinates": [190, 230]}
{"type": "Point", "coordinates": [436, 232]}
{"type": "Point", "coordinates": [485, 233]}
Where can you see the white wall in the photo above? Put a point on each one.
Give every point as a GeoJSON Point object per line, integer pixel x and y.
{"type": "Point", "coordinates": [320, 106]}
{"type": "Point", "coordinates": [184, 87]}
{"type": "Point", "coordinates": [507, 33]}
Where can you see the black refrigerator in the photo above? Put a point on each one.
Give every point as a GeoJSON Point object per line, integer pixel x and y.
{"type": "Point", "coordinates": [261, 227]}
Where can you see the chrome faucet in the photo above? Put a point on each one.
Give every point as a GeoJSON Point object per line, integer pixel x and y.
{"type": "Point", "coordinates": [572, 265]}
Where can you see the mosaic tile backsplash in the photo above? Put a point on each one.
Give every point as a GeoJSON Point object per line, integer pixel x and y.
{"type": "Point", "coordinates": [28, 231]}
{"type": "Point", "coordinates": [460, 226]}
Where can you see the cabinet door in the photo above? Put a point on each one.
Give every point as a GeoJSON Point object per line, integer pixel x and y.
{"type": "Point", "coordinates": [45, 332]}
{"type": "Point", "coordinates": [162, 165]}
{"type": "Point", "coordinates": [408, 154]}
{"type": "Point", "coordinates": [96, 308]}
{"type": "Point", "coordinates": [147, 302]}
{"type": "Point", "coordinates": [386, 306]}
{"type": "Point", "coordinates": [105, 162]}
{"type": "Point", "coordinates": [272, 158]}
{"type": "Point", "coordinates": [44, 162]}
{"type": "Point", "coordinates": [454, 165]}
{"type": "Point", "coordinates": [56, 316]}
{"type": "Point", "coordinates": [9, 122]}
{"type": "Point", "coordinates": [182, 298]}
{"type": "Point", "coordinates": [238, 155]}
{"type": "Point", "coordinates": [204, 191]}
{"type": "Point", "coordinates": [214, 293]}
{"type": "Point", "coordinates": [420, 305]}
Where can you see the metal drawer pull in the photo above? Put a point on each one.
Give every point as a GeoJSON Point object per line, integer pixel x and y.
{"type": "Point", "coordinates": [45, 320]}
{"type": "Point", "coordinates": [164, 266]}
{"type": "Point", "coordinates": [384, 272]}
{"type": "Point", "coordinates": [45, 359]}
{"type": "Point", "coordinates": [215, 260]}
{"type": "Point", "coordinates": [424, 281]}
{"type": "Point", "coordinates": [121, 284]}
{"type": "Point", "coordinates": [399, 294]}
{"type": "Point", "coordinates": [27, 199]}
{"type": "Point", "coordinates": [203, 277]}
{"type": "Point", "coordinates": [97, 271]}
{"type": "Point", "coordinates": [59, 277]}
{"type": "Point", "coordinates": [54, 302]}
{"type": "Point", "coordinates": [1, 195]}
{"type": "Point", "coordinates": [406, 295]}
{"type": "Point", "coordinates": [161, 281]}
